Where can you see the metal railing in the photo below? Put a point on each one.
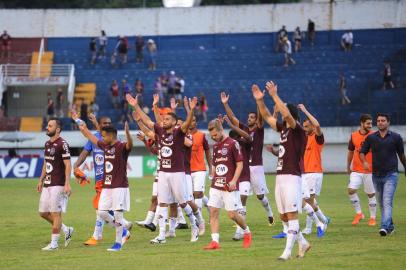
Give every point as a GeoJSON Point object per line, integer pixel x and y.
{"type": "Point", "coordinates": [13, 70]}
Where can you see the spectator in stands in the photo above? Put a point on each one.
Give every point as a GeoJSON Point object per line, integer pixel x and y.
{"type": "Point", "coordinates": [158, 89]}
{"type": "Point", "coordinates": [123, 49]}
{"type": "Point", "coordinates": [181, 82]}
{"type": "Point", "coordinates": [343, 90]}
{"type": "Point", "coordinates": [139, 91]}
{"type": "Point", "coordinates": [125, 89]}
{"type": "Point", "coordinates": [126, 114]}
{"type": "Point", "coordinates": [347, 41]}
{"type": "Point", "coordinates": [287, 47]}
{"type": "Point", "coordinates": [311, 31]}
{"type": "Point", "coordinates": [84, 111]}
{"type": "Point", "coordinates": [50, 106]}
{"type": "Point", "coordinates": [152, 52]}
{"type": "Point", "coordinates": [203, 107]}
{"type": "Point", "coordinates": [164, 79]}
{"type": "Point", "coordinates": [172, 84]}
{"type": "Point", "coordinates": [94, 108]}
{"type": "Point", "coordinates": [387, 76]}
{"type": "Point", "coordinates": [282, 33]}
{"type": "Point", "coordinates": [5, 44]}
{"type": "Point", "coordinates": [59, 103]}
{"type": "Point", "coordinates": [297, 37]}
{"type": "Point", "coordinates": [93, 51]}
{"type": "Point", "coordinates": [102, 45]}
{"type": "Point", "coordinates": [115, 94]}
{"type": "Point", "coordinates": [139, 49]}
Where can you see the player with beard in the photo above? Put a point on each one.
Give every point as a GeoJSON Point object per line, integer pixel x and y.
{"type": "Point", "coordinates": [54, 184]}
{"type": "Point", "coordinates": [255, 128]}
{"type": "Point", "coordinates": [171, 177]}
{"type": "Point", "coordinates": [292, 145]}
{"type": "Point", "coordinates": [227, 167]}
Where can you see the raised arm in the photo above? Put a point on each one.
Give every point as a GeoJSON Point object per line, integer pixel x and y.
{"type": "Point", "coordinates": [186, 104]}
{"type": "Point", "coordinates": [240, 132]}
{"type": "Point", "coordinates": [128, 137]}
{"type": "Point", "coordinates": [83, 128]}
{"type": "Point", "coordinates": [189, 118]}
{"type": "Point", "coordinates": [155, 108]}
{"type": "Point", "coordinates": [93, 119]}
{"type": "Point", "coordinates": [174, 104]}
{"type": "Point", "coordinates": [283, 109]}
{"type": "Point", "coordinates": [144, 117]}
{"type": "Point", "coordinates": [263, 110]}
{"type": "Point", "coordinates": [229, 112]}
{"type": "Point", "coordinates": [312, 119]}
{"type": "Point", "coordinates": [149, 133]}
{"type": "Point", "coordinates": [260, 119]}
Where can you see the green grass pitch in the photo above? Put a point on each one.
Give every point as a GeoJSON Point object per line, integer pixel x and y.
{"type": "Point", "coordinates": [23, 233]}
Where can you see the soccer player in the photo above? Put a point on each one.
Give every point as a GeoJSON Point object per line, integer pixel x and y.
{"type": "Point", "coordinates": [171, 177]}
{"type": "Point", "coordinates": [98, 165]}
{"type": "Point", "coordinates": [54, 183]}
{"type": "Point", "coordinates": [115, 194]}
{"type": "Point", "coordinates": [313, 171]}
{"type": "Point", "coordinates": [254, 127]}
{"type": "Point", "coordinates": [288, 179]}
{"type": "Point", "coordinates": [227, 166]}
{"type": "Point", "coordinates": [358, 175]}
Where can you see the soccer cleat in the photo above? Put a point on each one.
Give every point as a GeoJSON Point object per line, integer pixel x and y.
{"type": "Point", "coordinates": [91, 242]}
{"type": "Point", "coordinates": [49, 247]}
{"type": "Point", "coordinates": [357, 218]}
{"type": "Point", "coordinates": [212, 245]}
{"type": "Point", "coordinates": [303, 249]}
{"type": "Point", "coordinates": [383, 232]}
{"type": "Point", "coordinates": [279, 236]}
{"type": "Point", "coordinates": [140, 223]}
{"type": "Point", "coordinates": [195, 234]}
{"type": "Point", "coordinates": [158, 240]}
{"type": "Point", "coordinates": [170, 234]}
{"type": "Point", "coordinates": [271, 221]}
{"type": "Point", "coordinates": [284, 257]}
{"type": "Point", "coordinates": [115, 247]}
{"type": "Point", "coordinates": [247, 240]}
{"type": "Point", "coordinates": [68, 236]}
{"type": "Point", "coordinates": [150, 226]}
{"type": "Point", "coordinates": [182, 226]}
{"type": "Point", "coordinates": [238, 236]}
{"type": "Point", "coordinates": [320, 232]}
{"type": "Point", "coordinates": [307, 231]}
{"type": "Point", "coordinates": [126, 235]}
{"type": "Point", "coordinates": [202, 228]}
{"type": "Point", "coordinates": [372, 222]}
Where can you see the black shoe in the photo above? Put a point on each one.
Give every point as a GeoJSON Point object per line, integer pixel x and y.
{"type": "Point", "coordinates": [383, 232]}
{"type": "Point", "coordinates": [150, 226]}
{"type": "Point", "coordinates": [182, 226]}
{"type": "Point", "coordinates": [271, 221]}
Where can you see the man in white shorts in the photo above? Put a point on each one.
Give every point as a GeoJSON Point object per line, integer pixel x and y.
{"type": "Point", "coordinates": [358, 175]}
{"type": "Point", "coordinates": [54, 184]}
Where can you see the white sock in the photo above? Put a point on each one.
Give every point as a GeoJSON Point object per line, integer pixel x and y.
{"type": "Point", "coordinates": [156, 216]}
{"type": "Point", "coordinates": [54, 239]}
{"type": "Point", "coordinates": [199, 203]}
{"type": "Point", "coordinates": [355, 203]}
{"type": "Point", "coordinates": [105, 215]}
{"type": "Point", "coordinates": [64, 228]}
{"type": "Point", "coordinates": [163, 216]}
{"type": "Point", "coordinates": [285, 227]}
{"type": "Point", "coordinates": [309, 222]}
{"type": "Point", "coordinates": [320, 215]}
{"type": "Point", "coordinates": [98, 228]}
{"type": "Point", "coordinates": [215, 237]}
{"type": "Point", "coordinates": [243, 213]}
{"type": "Point", "coordinates": [149, 217]}
{"type": "Point", "coordinates": [118, 220]}
{"type": "Point", "coordinates": [310, 213]}
{"type": "Point", "coordinates": [372, 206]}
{"type": "Point", "coordinates": [301, 239]}
{"type": "Point", "coordinates": [181, 218]}
{"type": "Point", "coordinates": [172, 224]}
{"type": "Point", "coordinates": [198, 216]}
{"type": "Point", "coordinates": [267, 206]}
{"type": "Point", "coordinates": [189, 214]}
{"type": "Point", "coordinates": [293, 230]}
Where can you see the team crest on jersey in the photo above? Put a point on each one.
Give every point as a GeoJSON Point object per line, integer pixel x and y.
{"type": "Point", "coordinates": [99, 159]}
{"type": "Point", "coordinates": [48, 167]}
{"type": "Point", "coordinates": [52, 151]}
{"type": "Point", "coordinates": [170, 138]}
{"type": "Point", "coordinates": [112, 150]}
{"type": "Point", "coordinates": [224, 151]}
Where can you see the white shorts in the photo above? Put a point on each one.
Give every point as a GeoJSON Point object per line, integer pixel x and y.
{"type": "Point", "coordinates": [199, 181]}
{"type": "Point", "coordinates": [189, 188]}
{"type": "Point", "coordinates": [53, 199]}
{"type": "Point", "coordinates": [245, 188]}
{"type": "Point", "coordinates": [258, 182]}
{"type": "Point", "coordinates": [155, 189]}
{"type": "Point", "coordinates": [314, 182]}
{"type": "Point", "coordinates": [288, 193]}
{"type": "Point", "coordinates": [231, 201]}
{"type": "Point", "coordinates": [357, 179]}
{"type": "Point", "coordinates": [172, 187]}
{"type": "Point", "coordinates": [115, 199]}
{"type": "Point", "coordinates": [305, 190]}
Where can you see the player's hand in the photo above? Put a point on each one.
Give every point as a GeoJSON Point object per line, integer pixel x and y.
{"type": "Point", "coordinates": [39, 187]}
{"type": "Point", "coordinates": [224, 97]}
{"type": "Point", "coordinates": [272, 88]}
{"type": "Point", "coordinates": [67, 190]}
{"type": "Point", "coordinates": [232, 185]}
{"type": "Point", "coordinates": [141, 136]}
{"type": "Point", "coordinates": [257, 93]}
{"type": "Point", "coordinates": [302, 107]}
{"type": "Point", "coordinates": [185, 102]}
{"type": "Point", "coordinates": [349, 169]}
{"type": "Point", "coordinates": [173, 104]}
{"type": "Point", "coordinates": [156, 100]}
{"type": "Point", "coordinates": [131, 100]}
{"type": "Point", "coordinates": [92, 117]}
{"type": "Point", "coordinates": [74, 114]}
{"type": "Point", "coordinates": [227, 120]}
{"type": "Point", "coordinates": [193, 103]}
{"type": "Point", "coordinates": [220, 118]}
{"type": "Point", "coordinates": [365, 165]}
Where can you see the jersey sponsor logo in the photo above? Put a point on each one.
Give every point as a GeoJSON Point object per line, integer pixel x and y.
{"type": "Point", "coordinates": [166, 163]}
{"type": "Point", "coordinates": [65, 147]}
{"type": "Point", "coordinates": [284, 137]}
{"type": "Point", "coordinates": [221, 169]}
{"type": "Point", "coordinates": [220, 182]}
{"type": "Point", "coordinates": [224, 151]}
{"type": "Point", "coordinates": [280, 165]}
{"type": "Point", "coordinates": [99, 159]}
{"type": "Point", "coordinates": [108, 179]}
{"type": "Point", "coordinates": [166, 151]}
{"type": "Point", "coordinates": [167, 143]}
{"type": "Point", "coordinates": [47, 180]}
{"type": "Point", "coordinates": [99, 171]}
{"type": "Point", "coordinates": [20, 167]}
{"type": "Point", "coordinates": [220, 159]}
{"type": "Point", "coordinates": [48, 167]}
{"type": "Point", "coordinates": [109, 167]}
{"type": "Point", "coordinates": [111, 151]}
{"type": "Point", "coordinates": [281, 151]}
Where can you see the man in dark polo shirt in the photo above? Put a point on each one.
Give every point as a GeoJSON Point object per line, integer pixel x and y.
{"type": "Point", "coordinates": [384, 145]}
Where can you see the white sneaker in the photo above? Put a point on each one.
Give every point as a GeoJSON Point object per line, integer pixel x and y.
{"type": "Point", "coordinates": [285, 257]}
{"type": "Point", "coordinates": [170, 234]}
{"type": "Point", "coordinates": [303, 249]}
{"type": "Point", "coordinates": [307, 231]}
{"type": "Point", "coordinates": [158, 240]}
{"type": "Point", "coordinates": [140, 223]}
{"type": "Point", "coordinates": [238, 236]}
{"type": "Point", "coordinates": [49, 247]}
{"type": "Point", "coordinates": [68, 236]}
{"type": "Point", "coordinates": [195, 234]}
{"type": "Point", "coordinates": [202, 228]}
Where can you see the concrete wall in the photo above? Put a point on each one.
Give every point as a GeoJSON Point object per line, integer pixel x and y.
{"type": "Point", "coordinates": [204, 20]}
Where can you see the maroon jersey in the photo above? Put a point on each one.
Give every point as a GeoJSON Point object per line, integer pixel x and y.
{"type": "Point", "coordinates": [171, 149]}
{"type": "Point", "coordinates": [115, 164]}
{"type": "Point", "coordinates": [188, 155]}
{"type": "Point", "coordinates": [257, 135]}
{"type": "Point", "coordinates": [245, 151]}
{"type": "Point", "coordinates": [226, 154]}
{"type": "Point", "coordinates": [292, 146]}
{"type": "Point", "coordinates": [55, 153]}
